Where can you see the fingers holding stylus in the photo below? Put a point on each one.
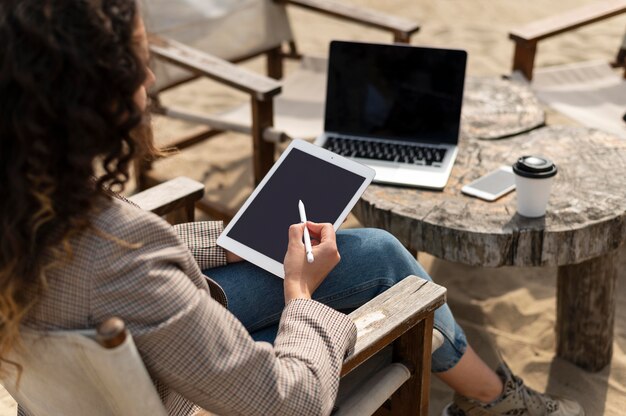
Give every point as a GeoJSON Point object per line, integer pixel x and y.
{"type": "Point", "coordinates": [321, 231]}
{"type": "Point", "coordinates": [303, 277]}
{"type": "Point", "coordinates": [324, 233]}
{"type": "Point", "coordinates": [296, 233]}
{"type": "Point", "coordinates": [316, 238]}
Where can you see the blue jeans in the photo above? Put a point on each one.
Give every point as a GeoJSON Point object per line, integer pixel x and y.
{"type": "Point", "coordinates": [372, 261]}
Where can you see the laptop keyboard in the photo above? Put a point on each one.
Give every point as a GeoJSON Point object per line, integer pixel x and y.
{"type": "Point", "coordinates": [391, 152]}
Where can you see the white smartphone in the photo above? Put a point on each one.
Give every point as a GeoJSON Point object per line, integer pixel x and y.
{"type": "Point", "coordinates": [493, 185]}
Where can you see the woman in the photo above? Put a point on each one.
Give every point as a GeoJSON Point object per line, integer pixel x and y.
{"type": "Point", "coordinates": [73, 79]}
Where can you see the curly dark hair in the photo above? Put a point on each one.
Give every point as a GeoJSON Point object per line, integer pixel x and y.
{"type": "Point", "coordinates": [68, 72]}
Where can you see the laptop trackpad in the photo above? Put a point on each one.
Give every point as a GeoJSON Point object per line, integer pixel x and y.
{"type": "Point", "coordinates": [385, 172]}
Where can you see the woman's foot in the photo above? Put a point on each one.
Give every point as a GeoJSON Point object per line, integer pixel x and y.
{"type": "Point", "coordinates": [516, 399]}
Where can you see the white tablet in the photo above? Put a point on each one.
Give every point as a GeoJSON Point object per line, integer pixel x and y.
{"type": "Point", "coordinates": [329, 185]}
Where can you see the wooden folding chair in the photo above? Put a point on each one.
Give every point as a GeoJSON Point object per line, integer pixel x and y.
{"type": "Point", "coordinates": [78, 372]}
{"type": "Point", "coordinates": [192, 39]}
{"type": "Point", "coordinates": [591, 92]}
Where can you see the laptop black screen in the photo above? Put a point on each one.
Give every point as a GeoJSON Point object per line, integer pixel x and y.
{"type": "Point", "coordinates": [395, 92]}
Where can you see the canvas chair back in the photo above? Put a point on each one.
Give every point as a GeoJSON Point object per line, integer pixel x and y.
{"type": "Point", "coordinates": [228, 29]}
{"type": "Point", "coordinates": [590, 92]}
{"type": "Point", "coordinates": [69, 373]}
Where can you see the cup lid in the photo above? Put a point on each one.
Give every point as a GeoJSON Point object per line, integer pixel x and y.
{"type": "Point", "coordinates": [536, 167]}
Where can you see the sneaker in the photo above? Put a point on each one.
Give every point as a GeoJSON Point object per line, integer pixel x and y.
{"type": "Point", "coordinates": [516, 400]}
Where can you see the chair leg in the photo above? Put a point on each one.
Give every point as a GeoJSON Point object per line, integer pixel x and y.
{"type": "Point", "coordinates": [414, 349]}
{"type": "Point", "coordinates": [186, 213]}
{"type": "Point", "coordinates": [263, 151]}
{"type": "Point", "coordinates": [401, 37]}
{"type": "Point", "coordinates": [275, 63]}
{"type": "Point", "coordinates": [524, 58]}
{"type": "Point", "coordinates": [190, 211]}
{"type": "Point", "coordinates": [141, 167]}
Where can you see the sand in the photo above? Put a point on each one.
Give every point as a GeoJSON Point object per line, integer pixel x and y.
{"type": "Point", "coordinates": [505, 310]}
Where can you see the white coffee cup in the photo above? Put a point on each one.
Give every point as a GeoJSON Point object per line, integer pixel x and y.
{"type": "Point", "coordinates": [533, 181]}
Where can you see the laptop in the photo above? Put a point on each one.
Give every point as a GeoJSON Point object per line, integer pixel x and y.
{"type": "Point", "coordinates": [395, 108]}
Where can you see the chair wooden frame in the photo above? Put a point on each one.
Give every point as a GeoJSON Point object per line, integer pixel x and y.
{"type": "Point", "coordinates": [176, 194]}
{"type": "Point", "coordinates": [401, 316]}
{"type": "Point", "coordinates": [408, 309]}
{"type": "Point", "coordinates": [527, 37]}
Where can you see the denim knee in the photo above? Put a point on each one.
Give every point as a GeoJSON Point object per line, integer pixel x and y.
{"type": "Point", "coordinates": [386, 248]}
{"type": "Point", "coordinates": [382, 246]}
{"type": "Point", "coordinates": [404, 263]}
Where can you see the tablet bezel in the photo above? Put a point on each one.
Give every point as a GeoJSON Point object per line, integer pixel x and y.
{"type": "Point", "coordinates": [260, 259]}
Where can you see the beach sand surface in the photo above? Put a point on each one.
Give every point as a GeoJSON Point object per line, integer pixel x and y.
{"type": "Point", "coordinates": [505, 311]}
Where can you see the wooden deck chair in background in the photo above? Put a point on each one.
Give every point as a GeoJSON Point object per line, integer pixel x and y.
{"type": "Point", "coordinates": [204, 39]}
{"type": "Point", "coordinates": [591, 93]}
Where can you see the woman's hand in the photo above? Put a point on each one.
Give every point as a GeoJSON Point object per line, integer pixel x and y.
{"type": "Point", "coordinates": [301, 277]}
{"type": "Point", "coordinates": [232, 258]}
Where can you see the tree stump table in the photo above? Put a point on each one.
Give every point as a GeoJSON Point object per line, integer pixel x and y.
{"type": "Point", "coordinates": [584, 225]}
{"type": "Point", "coordinates": [494, 108]}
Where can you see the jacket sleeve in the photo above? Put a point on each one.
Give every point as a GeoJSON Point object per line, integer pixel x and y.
{"type": "Point", "coordinates": [199, 349]}
{"type": "Point", "coordinates": [200, 237]}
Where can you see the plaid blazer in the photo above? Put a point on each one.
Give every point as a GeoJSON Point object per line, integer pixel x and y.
{"type": "Point", "coordinates": [134, 265]}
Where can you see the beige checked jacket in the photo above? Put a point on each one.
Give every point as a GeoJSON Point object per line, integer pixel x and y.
{"type": "Point", "coordinates": [196, 351]}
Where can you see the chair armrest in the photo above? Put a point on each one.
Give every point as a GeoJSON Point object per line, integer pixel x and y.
{"type": "Point", "coordinates": [402, 29]}
{"type": "Point", "coordinates": [261, 87]}
{"type": "Point", "coordinates": [170, 196]}
{"type": "Point", "coordinates": [390, 314]}
{"type": "Point", "coordinates": [526, 37]}
{"type": "Point", "coordinates": [270, 134]}
{"type": "Point", "coordinates": [573, 19]}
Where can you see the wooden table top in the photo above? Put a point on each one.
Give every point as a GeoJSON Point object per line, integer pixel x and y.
{"type": "Point", "coordinates": [586, 215]}
{"type": "Point", "coordinates": [494, 108]}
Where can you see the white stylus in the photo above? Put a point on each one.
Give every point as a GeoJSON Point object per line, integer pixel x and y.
{"type": "Point", "coordinates": [307, 237]}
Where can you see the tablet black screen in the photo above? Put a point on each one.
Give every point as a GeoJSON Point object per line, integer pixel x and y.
{"type": "Point", "coordinates": [325, 190]}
